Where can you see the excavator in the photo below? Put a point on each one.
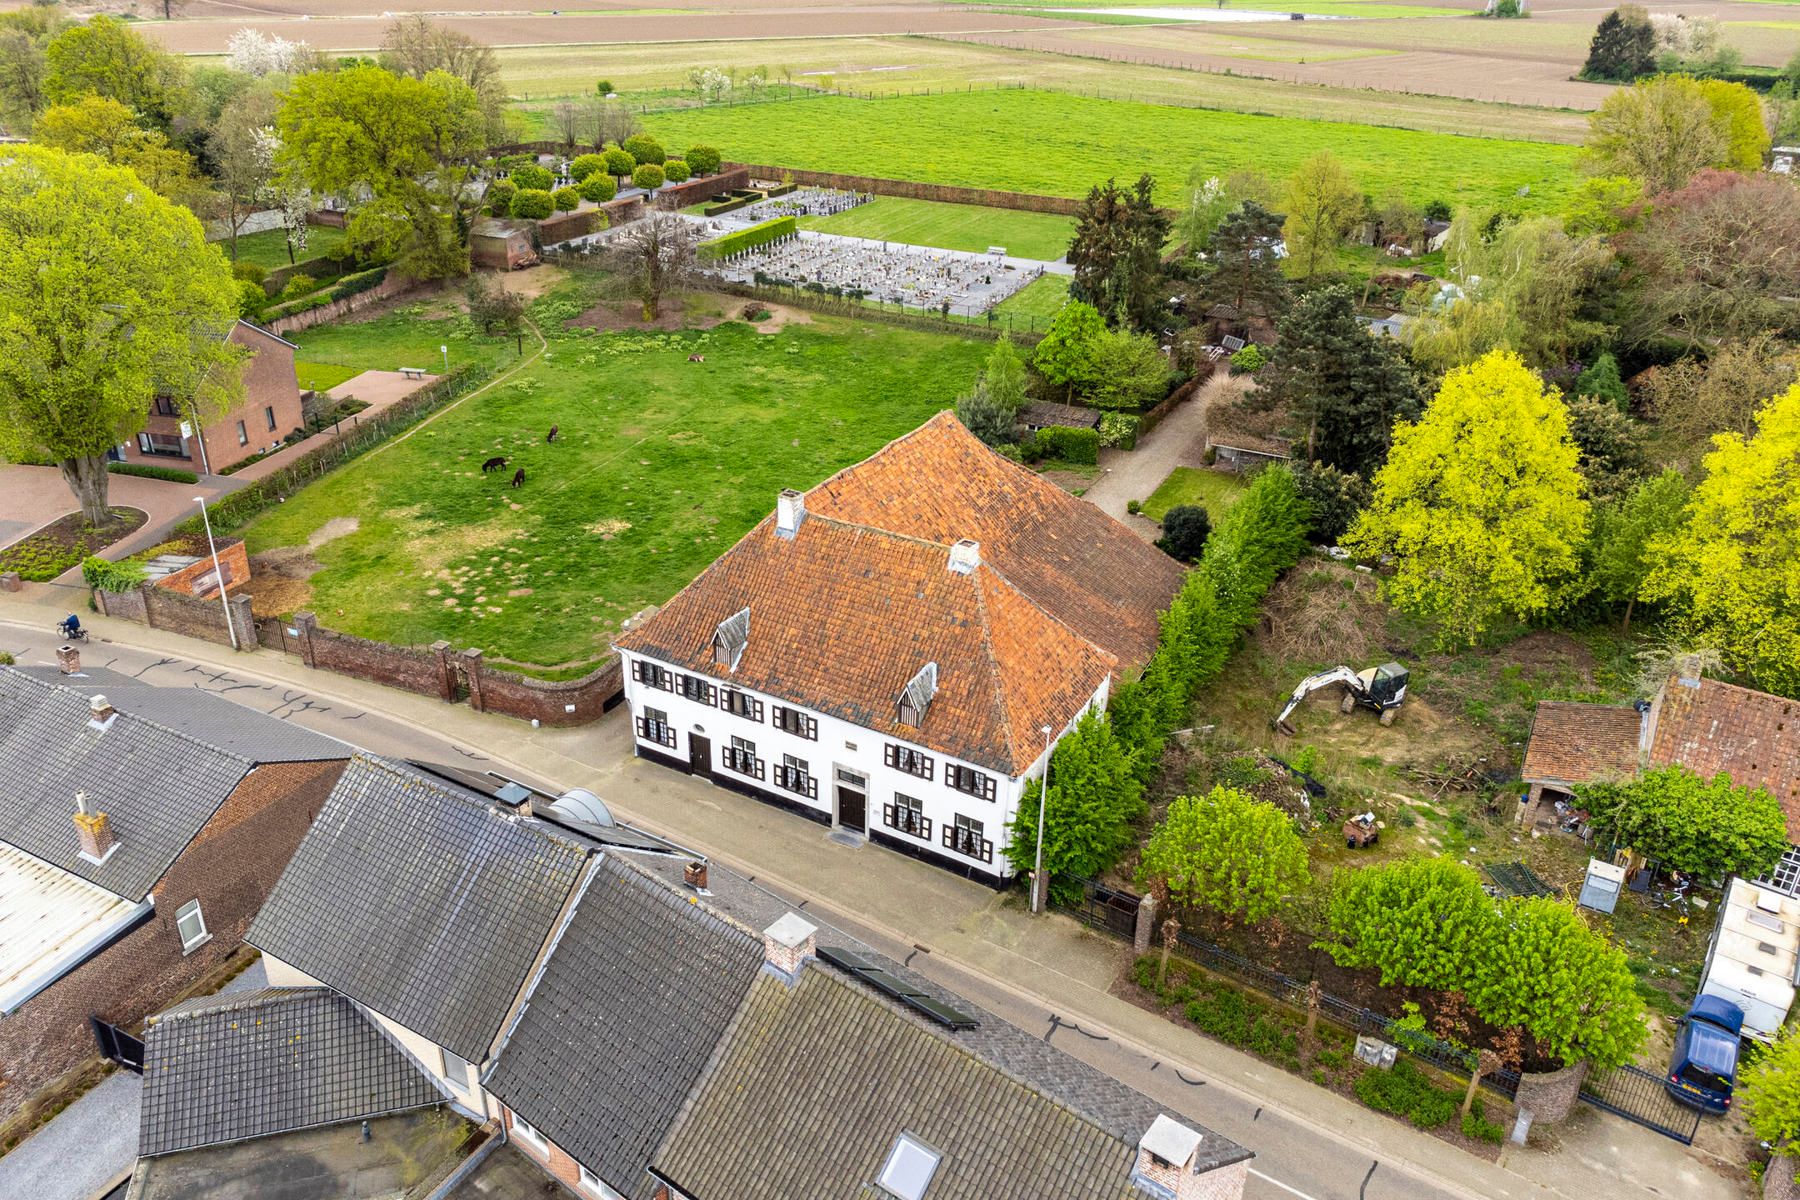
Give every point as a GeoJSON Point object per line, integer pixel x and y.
{"type": "Point", "coordinates": [1382, 689]}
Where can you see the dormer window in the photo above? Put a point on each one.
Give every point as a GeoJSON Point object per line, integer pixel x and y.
{"type": "Point", "coordinates": [916, 696]}
{"type": "Point", "coordinates": [730, 638]}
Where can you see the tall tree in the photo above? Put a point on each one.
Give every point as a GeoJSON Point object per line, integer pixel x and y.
{"type": "Point", "coordinates": [109, 297]}
{"type": "Point", "coordinates": [109, 58]}
{"type": "Point", "coordinates": [1241, 267]}
{"type": "Point", "coordinates": [1732, 573]}
{"type": "Point", "coordinates": [415, 46]}
{"type": "Point", "coordinates": [1067, 356]}
{"type": "Point", "coordinates": [655, 257]}
{"type": "Point", "coordinates": [1094, 797]}
{"type": "Point", "coordinates": [1739, 118]}
{"type": "Point", "coordinates": [1624, 46]}
{"type": "Point", "coordinates": [1659, 131]}
{"type": "Point", "coordinates": [24, 68]}
{"type": "Point", "coordinates": [1614, 456]}
{"type": "Point", "coordinates": [1624, 530]}
{"type": "Point", "coordinates": [1480, 502]}
{"type": "Point", "coordinates": [408, 142]}
{"type": "Point", "coordinates": [1227, 852]}
{"type": "Point", "coordinates": [1694, 400]}
{"type": "Point", "coordinates": [1322, 203]}
{"type": "Point", "coordinates": [243, 146]}
{"type": "Point", "coordinates": [1117, 253]}
{"type": "Point", "coordinates": [105, 128]}
{"type": "Point", "coordinates": [1343, 387]}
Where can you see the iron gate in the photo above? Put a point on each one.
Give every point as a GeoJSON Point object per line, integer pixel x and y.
{"type": "Point", "coordinates": [1104, 908]}
{"type": "Point", "coordinates": [126, 1049]}
{"type": "Point", "coordinates": [1638, 1095]}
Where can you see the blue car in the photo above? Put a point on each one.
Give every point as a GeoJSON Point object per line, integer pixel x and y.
{"type": "Point", "coordinates": [1703, 1069]}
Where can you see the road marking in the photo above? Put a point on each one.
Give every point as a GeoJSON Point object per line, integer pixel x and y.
{"type": "Point", "coordinates": [1293, 1191]}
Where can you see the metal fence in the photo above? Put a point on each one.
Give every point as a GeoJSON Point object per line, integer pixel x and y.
{"type": "Point", "coordinates": [1638, 1095]}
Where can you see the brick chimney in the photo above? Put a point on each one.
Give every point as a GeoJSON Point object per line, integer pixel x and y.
{"type": "Point", "coordinates": [790, 510]}
{"type": "Point", "coordinates": [965, 556]}
{"type": "Point", "coordinates": [68, 660]}
{"type": "Point", "coordinates": [787, 944]}
{"type": "Point", "coordinates": [1168, 1166]}
{"type": "Point", "coordinates": [694, 875]}
{"type": "Point", "coordinates": [100, 712]}
{"type": "Point", "coordinates": [97, 842]}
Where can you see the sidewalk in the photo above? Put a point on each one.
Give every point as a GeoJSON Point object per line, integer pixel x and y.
{"type": "Point", "coordinates": [1054, 961]}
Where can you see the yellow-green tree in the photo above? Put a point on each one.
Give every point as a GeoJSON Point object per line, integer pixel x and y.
{"type": "Point", "coordinates": [1732, 573]}
{"type": "Point", "coordinates": [1225, 851]}
{"type": "Point", "coordinates": [1771, 1094]}
{"type": "Point", "coordinates": [1658, 131]}
{"type": "Point", "coordinates": [102, 126]}
{"type": "Point", "coordinates": [1738, 116]}
{"type": "Point", "coordinates": [1322, 202]}
{"type": "Point", "coordinates": [109, 296]}
{"type": "Point", "coordinates": [1480, 502]}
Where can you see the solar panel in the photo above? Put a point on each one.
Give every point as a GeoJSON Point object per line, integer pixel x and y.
{"type": "Point", "coordinates": [889, 984]}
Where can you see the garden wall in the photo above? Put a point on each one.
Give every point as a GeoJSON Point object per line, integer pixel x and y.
{"type": "Point", "coordinates": [219, 228]}
{"type": "Point", "coordinates": [196, 579]}
{"type": "Point", "coordinates": [941, 192]}
{"type": "Point", "coordinates": [177, 612]}
{"type": "Point", "coordinates": [1152, 418]}
{"type": "Point", "coordinates": [553, 230]}
{"type": "Point", "coordinates": [328, 219]}
{"type": "Point", "coordinates": [672, 196]}
{"type": "Point", "coordinates": [393, 285]}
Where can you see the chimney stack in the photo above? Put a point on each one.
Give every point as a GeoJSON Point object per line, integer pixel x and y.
{"type": "Point", "coordinates": [68, 660]}
{"type": "Point", "coordinates": [97, 842]}
{"type": "Point", "coordinates": [1168, 1166]}
{"type": "Point", "coordinates": [790, 510]}
{"type": "Point", "coordinates": [694, 875]}
{"type": "Point", "coordinates": [965, 556]}
{"type": "Point", "coordinates": [100, 711]}
{"type": "Point", "coordinates": [787, 944]}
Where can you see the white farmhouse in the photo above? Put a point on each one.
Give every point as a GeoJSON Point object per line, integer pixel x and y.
{"type": "Point", "coordinates": [892, 652]}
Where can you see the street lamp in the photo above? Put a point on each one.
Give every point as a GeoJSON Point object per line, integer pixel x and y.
{"type": "Point", "coordinates": [1037, 871]}
{"type": "Point", "coordinates": [218, 572]}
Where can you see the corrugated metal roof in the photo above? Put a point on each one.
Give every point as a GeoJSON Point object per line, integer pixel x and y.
{"type": "Point", "coordinates": [47, 918]}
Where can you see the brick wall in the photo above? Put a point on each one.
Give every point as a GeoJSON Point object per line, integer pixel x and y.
{"type": "Point", "coordinates": [393, 285]}
{"type": "Point", "coordinates": [944, 193]}
{"type": "Point", "coordinates": [126, 606]}
{"type": "Point", "coordinates": [548, 702]}
{"type": "Point", "coordinates": [1551, 1095]}
{"type": "Point", "coordinates": [551, 1159]}
{"type": "Point", "coordinates": [674, 196]}
{"type": "Point", "coordinates": [229, 867]}
{"type": "Point", "coordinates": [403, 667]}
{"type": "Point", "coordinates": [197, 579]}
{"type": "Point", "coordinates": [193, 617]}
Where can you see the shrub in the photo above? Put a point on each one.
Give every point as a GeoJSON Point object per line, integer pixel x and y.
{"type": "Point", "coordinates": [756, 235]}
{"type": "Point", "coordinates": [298, 286]}
{"type": "Point", "coordinates": [1250, 359]}
{"type": "Point", "coordinates": [532, 178]}
{"type": "Point", "coordinates": [1119, 429]}
{"type": "Point", "coordinates": [604, 87]}
{"type": "Point", "coordinates": [532, 204]}
{"type": "Point", "coordinates": [702, 160]}
{"type": "Point", "coordinates": [499, 196]}
{"type": "Point", "coordinates": [1225, 851]}
{"type": "Point", "coordinates": [584, 165]}
{"type": "Point", "coordinates": [619, 163]}
{"type": "Point", "coordinates": [1069, 445]}
{"type": "Point", "coordinates": [1134, 507]}
{"type": "Point", "coordinates": [644, 149]}
{"type": "Point", "coordinates": [1185, 530]}
{"type": "Point", "coordinates": [599, 188]}
{"type": "Point", "coordinates": [649, 177]}
{"type": "Point", "coordinates": [677, 171]}
{"type": "Point", "coordinates": [108, 576]}
{"type": "Point", "coordinates": [1408, 1092]}
{"type": "Point", "coordinates": [146, 471]}
{"type": "Point", "coordinates": [1333, 498]}
{"type": "Point", "coordinates": [1475, 1125]}
{"type": "Point", "coordinates": [254, 272]}
{"type": "Point", "coordinates": [1704, 827]}
{"type": "Point", "coordinates": [566, 199]}
{"type": "Point", "coordinates": [251, 298]}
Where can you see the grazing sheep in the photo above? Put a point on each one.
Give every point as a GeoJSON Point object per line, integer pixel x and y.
{"type": "Point", "coordinates": [493, 464]}
{"type": "Point", "coordinates": [519, 477]}
{"type": "Point", "coordinates": [552, 436]}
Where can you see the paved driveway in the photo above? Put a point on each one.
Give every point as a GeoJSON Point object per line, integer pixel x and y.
{"type": "Point", "coordinates": [1127, 475]}
{"type": "Point", "coordinates": [30, 497]}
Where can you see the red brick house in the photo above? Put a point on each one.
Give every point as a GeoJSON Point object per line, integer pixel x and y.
{"type": "Point", "coordinates": [1702, 724]}
{"type": "Point", "coordinates": [140, 829]}
{"type": "Point", "coordinates": [269, 411]}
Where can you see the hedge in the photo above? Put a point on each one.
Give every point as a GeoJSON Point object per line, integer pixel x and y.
{"type": "Point", "coordinates": [97, 572]}
{"type": "Point", "coordinates": [239, 507]}
{"type": "Point", "coordinates": [725, 206]}
{"type": "Point", "coordinates": [144, 471]}
{"type": "Point", "coordinates": [1069, 444]}
{"type": "Point", "coordinates": [324, 267]}
{"type": "Point", "coordinates": [349, 285]}
{"type": "Point", "coordinates": [745, 239]}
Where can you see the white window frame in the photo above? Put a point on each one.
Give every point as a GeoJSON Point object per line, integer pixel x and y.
{"type": "Point", "coordinates": [193, 943]}
{"type": "Point", "coordinates": [528, 1133]}
{"type": "Point", "coordinates": [456, 1068]}
{"type": "Point", "coordinates": [908, 1147]}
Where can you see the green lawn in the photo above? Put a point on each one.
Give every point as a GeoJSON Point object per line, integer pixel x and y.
{"type": "Point", "coordinates": [322, 377]}
{"type": "Point", "coordinates": [952, 227]}
{"type": "Point", "coordinates": [1036, 304]}
{"type": "Point", "coordinates": [1215, 491]}
{"type": "Point", "coordinates": [269, 248]}
{"type": "Point", "coordinates": [661, 464]}
{"type": "Point", "coordinates": [1058, 144]}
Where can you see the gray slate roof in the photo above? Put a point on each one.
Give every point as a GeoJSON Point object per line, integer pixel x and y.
{"type": "Point", "coordinates": [157, 787]}
{"type": "Point", "coordinates": [636, 995]}
{"type": "Point", "coordinates": [421, 901]}
{"type": "Point", "coordinates": [250, 1064]}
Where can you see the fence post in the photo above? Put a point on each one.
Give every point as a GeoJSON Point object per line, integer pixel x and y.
{"type": "Point", "coordinates": [304, 624]}
{"type": "Point", "coordinates": [1313, 993]}
{"type": "Point", "coordinates": [472, 668]}
{"type": "Point", "coordinates": [241, 616]}
{"type": "Point", "coordinates": [1146, 922]}
{"type": "Point", "coordinates": [446, 671]}
{"type": "Point", "coordinates": [144, 590]}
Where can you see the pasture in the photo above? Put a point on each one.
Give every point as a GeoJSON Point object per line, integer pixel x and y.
{"type": "Point", "coordinates": [1057, 144]}
{"type": "Point", "coordinates": [660, 464]}
{"type": "Point", "coordinates": [952, 227]}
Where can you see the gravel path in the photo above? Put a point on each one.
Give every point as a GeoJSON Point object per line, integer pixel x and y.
{"type": "Point", "coordinates": [1127, 475]}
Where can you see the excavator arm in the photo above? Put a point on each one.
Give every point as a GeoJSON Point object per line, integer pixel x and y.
{"type": "Point", "coordinates": [1311, 684]}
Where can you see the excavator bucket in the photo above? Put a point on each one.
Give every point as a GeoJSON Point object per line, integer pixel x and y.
{"type": "Point", "coordinates": [1284, 728]}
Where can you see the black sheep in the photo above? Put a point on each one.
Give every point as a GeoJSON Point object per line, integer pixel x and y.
{"type": "Point", "coordinates": [553, 430]}
{"type": "Point", "coordinates": [492, 464]}
{"type": "Point", "coordinates": [518, 476]}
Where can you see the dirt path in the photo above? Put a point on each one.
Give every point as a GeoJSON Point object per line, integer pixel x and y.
{"type": "Point", "coordinates": [1127, 475]}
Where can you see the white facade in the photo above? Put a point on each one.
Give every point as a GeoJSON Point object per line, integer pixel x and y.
{"type": "Point", "coordinates": [841, 762]}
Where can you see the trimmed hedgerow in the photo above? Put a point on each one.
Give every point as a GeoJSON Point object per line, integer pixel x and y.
{"type": "Point", "coordinates": [145, 471]}
{"type": "Point", "coordinates": [744, 239]}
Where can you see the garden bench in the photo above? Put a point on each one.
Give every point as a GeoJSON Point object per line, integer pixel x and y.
{"type": "Point", "coordinates": [413, 372]}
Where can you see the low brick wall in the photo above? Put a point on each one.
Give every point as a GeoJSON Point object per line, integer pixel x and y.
{"type": "Point", "coordinates": [1551, 1095]}
{"type": "Point", "coordinates": [177, 612]}
{"type": "Point", "coordinates": [674, 196]}
{"type": "Point", "coordinates": [393, 285]}
{"type": "Point", "coordinates": [942, 192]}
{"type": "Point", "coordinates": [574, 702]}
{"type": "Point", "coordinates": [197, 579]}
{"type": "Point", "coordinates": [403, 667]}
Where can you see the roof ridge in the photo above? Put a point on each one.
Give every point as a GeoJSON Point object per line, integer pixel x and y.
{"type": "Point", "coordinates": [199, 1006]}
{"type": "Point", "coordinates": [406, 773]}
{"type": "Point", "coordinates": [936, 420]}
{"type": "Point", "coordinates": [64, 689]}
{"type": "Point", "coordinates": [1028, 598]}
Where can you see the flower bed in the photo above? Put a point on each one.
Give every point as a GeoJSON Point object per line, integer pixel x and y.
{"type": "Point", "coordinates": [64, 542]}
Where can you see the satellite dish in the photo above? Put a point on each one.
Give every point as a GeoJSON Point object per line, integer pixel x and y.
{"type": "Point", "coordinates": [579, 804]}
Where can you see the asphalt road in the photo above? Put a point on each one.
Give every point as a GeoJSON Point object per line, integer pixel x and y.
{"type": "Point", "coordinates": [1294, 1159]}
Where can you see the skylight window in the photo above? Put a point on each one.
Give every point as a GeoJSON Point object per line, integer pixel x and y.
{"type": "Point", "coordinates": [909, 1168]}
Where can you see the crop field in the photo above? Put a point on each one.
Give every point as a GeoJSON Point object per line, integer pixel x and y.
{"type": "Point", "coordinates": [660, 465]}
{"type": "Point", "coordinates": [1057, 144]}
{"type": "Point", "coordinates": [952, 227]}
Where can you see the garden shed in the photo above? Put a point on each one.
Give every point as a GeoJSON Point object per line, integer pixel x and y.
{"type": "Point", "coordinates": [1044, 414]}
{"type": "Point", "coordinates": [503, 245]}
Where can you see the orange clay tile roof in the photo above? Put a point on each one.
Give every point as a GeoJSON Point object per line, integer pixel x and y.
{"type": "Point", "coordinates": [1581, 743]}
{"type": "Point", "coordinates": [848, 610]}
{"type": "Point", "coordinates": [1710, 727]}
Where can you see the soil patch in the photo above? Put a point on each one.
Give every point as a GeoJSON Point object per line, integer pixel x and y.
{"type": "Point", "coordinates": [331, 530]}
{"type": "Point", "coordinates": [627, 316]}
{"type": "Point", "coordinates": [780, 316]}
{"type": "Point", "coordinates": [280, 579]}
{"type": "Point", "coordinates": [64, 542]}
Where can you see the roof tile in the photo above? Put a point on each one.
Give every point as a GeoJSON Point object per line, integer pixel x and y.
{"type": "Point", "coordinates": [1709, 727]}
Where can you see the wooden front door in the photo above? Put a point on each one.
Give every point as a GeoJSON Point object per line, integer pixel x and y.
{"type": "Point", "coordinates": [699, 754]}
{"type": "Point", "coordinates": [853, 809]}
